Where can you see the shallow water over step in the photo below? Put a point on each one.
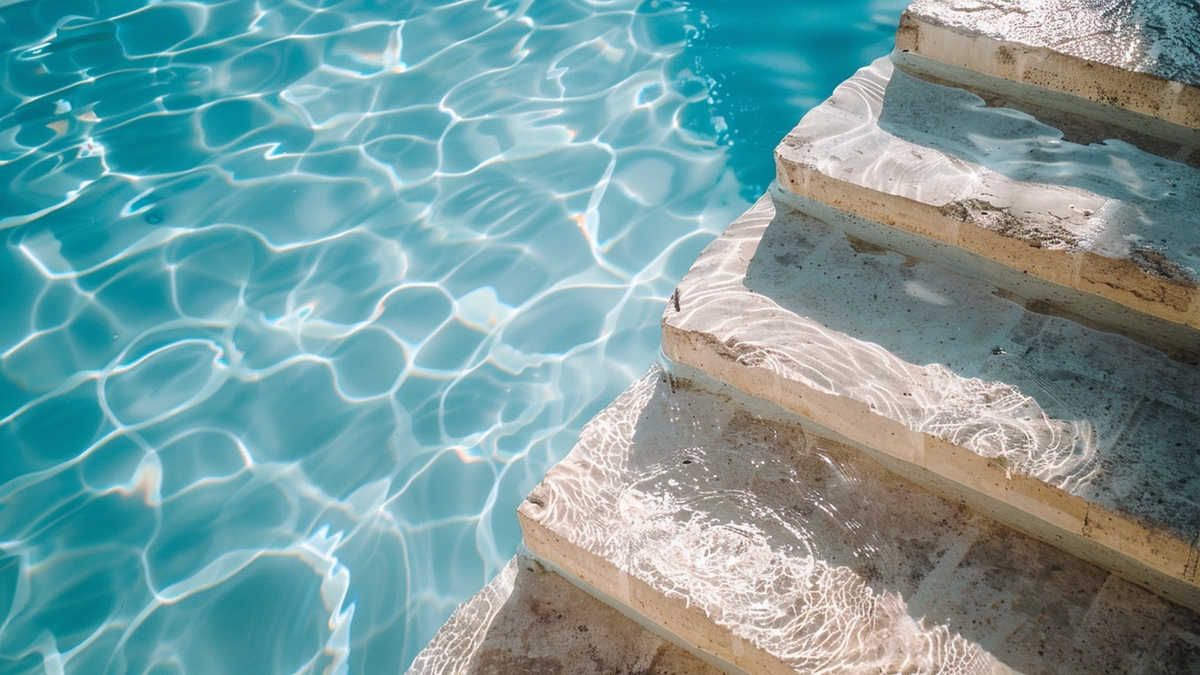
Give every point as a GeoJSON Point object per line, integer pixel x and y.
{"type": "Point", "coordinates": [756, 539]}
{"type": "Point", "coordinates": [1078, 435]}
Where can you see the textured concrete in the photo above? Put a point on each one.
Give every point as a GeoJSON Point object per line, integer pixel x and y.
{"type": "Point", "coordinates": [1081, 437]}
{"type": "Point", "coordinates": [772, 547]}
{"type": "Point", "coordinates": [1139, 56]}
{"type": "Point", "coordinates": [531, 621]}
{"type": "Point", "coordinates": [1080, 120]}
{"type": "Point", "coordinates": [1105, 219]}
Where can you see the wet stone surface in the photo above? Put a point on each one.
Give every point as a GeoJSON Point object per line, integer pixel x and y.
{"type": "Point", "coordinates": [1161, 37]}
{"type": "Point", "coordinates": [1092, 412]}
{"type": "Point", "coordinates": [813, 553]}
{"type": "Point", "coordinates": [891, 135]}
{"type": "Point", "coordinates": [531, 621]}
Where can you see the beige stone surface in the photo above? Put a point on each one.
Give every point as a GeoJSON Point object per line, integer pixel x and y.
{"type": "Point", "coordinates": [1081, 120]}
{"type": "Point", "coordinates": [1080, 437]}
{"type": "Point", "coordinates": [1105, 219]}
{"type": "Point", "coordinates": [1139, 56]}
{"type": "Point", "coordinates": [531, 621]}
{"type": "Point", "coordinates": [738, 527]}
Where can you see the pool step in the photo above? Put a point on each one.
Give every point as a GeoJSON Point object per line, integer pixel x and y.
{"type": "Point", "coordinates": [1083, 438]}
{"type": "Point", "coordinates": [753, 538]}
{"type": "Point", "coordinates": [1141, 57]}
{"type": "Point", "coordinates": [530, 620]}
{"type": "Point", "coordinates": [1107, 228]}
{"type": "Point", "coordinates": [1079, 119]}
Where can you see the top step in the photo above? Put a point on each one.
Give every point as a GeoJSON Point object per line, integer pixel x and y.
{"type": "Point", "coordinates": [1138, 56]}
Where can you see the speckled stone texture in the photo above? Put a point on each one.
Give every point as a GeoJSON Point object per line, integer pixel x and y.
{"type": "Point", "coordinates": [746, 532]}
{"type": "Point", "coordinates": [1129, 54]}
{"type": "Point", "coordinates": [531, 621]}
{"type": "Point", "coordinates": [1082, 437]}
{"type": "Point", "coordinates": [1106, 219]}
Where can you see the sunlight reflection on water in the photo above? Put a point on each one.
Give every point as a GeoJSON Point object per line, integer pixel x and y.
{"type": "Point", "coordinates": [300, 301]}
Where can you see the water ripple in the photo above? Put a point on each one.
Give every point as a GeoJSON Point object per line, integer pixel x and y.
{"type": "Point", "coordinates": [299, 301]}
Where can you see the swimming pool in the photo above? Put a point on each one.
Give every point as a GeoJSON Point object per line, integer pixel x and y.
{"type": "Point", "coordinates": [300, 298]}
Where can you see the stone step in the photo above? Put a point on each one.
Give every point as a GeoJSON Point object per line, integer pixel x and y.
{"type": "Point", "coordinates": [531, 621]}
{"type": "Point", "coordinates": [1142, 57]}
{"type": "Point", "coordinates": [743, 530]}
{"type": "Point", "coordinates": [1083, 438]}
{"type": "Point", "coordinates": [1105, 220]}
{"type": "Point", "coordinates": [1080, 120]}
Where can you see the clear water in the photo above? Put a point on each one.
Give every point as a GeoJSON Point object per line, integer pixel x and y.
{"type": "Point", "coordinates": [298, 299]}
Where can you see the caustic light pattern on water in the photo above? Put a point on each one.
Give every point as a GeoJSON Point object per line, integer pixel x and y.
{"type": "Point", "coordinates": [298, 299]}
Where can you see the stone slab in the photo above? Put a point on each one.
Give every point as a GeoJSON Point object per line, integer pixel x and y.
{"type": "Point", "coordinates": [1106, 219]}
{"type": "Point", "coordinates": [1178, 340]}
{"type": "Point", "coordinates": [1081, 437]}
{"type": "Point", "coordinates": [1082, 121]}
{"type": "Point", "coordinates": [531, 621]}
{"type": "Point", "coordinates": [739, 527]}
{"type": "Point", "coordinates": [1141, 56]}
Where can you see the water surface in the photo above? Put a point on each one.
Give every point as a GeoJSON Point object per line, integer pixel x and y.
{"type": "Point", "coordinates": [300, 298]}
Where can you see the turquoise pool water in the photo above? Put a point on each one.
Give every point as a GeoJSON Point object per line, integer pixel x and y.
{"type": "Point", "coordinates": [298, 298]}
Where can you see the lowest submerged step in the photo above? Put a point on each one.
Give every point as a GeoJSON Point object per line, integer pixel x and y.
{"type": "Point", "coordinates": [531, 621]}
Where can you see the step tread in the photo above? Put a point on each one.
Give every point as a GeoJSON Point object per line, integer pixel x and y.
{"type": "Point", "coordinates": [1106, 219]}
{"type": "Point", "coordinates": [1142, 56]}
{"type": "Point", "coordinates": [780, 551]}
{"type": "Point", "coordinates": [529, 620]}
{"type": "Point", "coordinates": [1069, 431]}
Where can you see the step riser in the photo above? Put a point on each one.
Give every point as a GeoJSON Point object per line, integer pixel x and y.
{"type": "Point", "coordinates": [1118, 280]}
{"type": "Point", "coordinates": [1161, 563]}
{"type": "Point", "coordinates": [1179, 341]}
